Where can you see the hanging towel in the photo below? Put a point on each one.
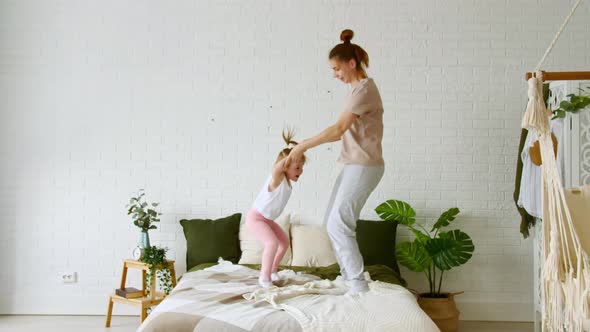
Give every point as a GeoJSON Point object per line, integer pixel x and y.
{"type": "Point", "coordinates": [531, 198]}
{"type": "Point", "coordinates": [526, 220]}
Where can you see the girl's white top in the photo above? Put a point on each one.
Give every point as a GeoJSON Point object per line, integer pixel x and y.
{"type": "Point", "coordinates": [272, 204]}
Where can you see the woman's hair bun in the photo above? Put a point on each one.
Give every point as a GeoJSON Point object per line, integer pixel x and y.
{"type": "Point", "coordinates": [346, 35]}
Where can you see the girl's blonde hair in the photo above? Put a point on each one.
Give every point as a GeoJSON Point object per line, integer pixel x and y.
{"type": "Point", "coordinates": [288, 135]}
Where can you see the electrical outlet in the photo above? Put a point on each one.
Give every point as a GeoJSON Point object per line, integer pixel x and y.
{"type": "Point", "coordinates": [69, 277]}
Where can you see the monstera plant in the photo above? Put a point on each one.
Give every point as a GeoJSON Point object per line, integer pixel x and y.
{"type": "Point", "coordinates": [432, 252]}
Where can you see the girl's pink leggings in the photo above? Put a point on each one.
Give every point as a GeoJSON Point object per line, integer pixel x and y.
{"type": "Point", "coordinates": [275, 241]}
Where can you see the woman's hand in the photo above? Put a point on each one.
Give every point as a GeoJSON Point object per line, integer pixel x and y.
{"type": "Point", "coordinates": [330, 134]}
{"type": "Point", "coordinates": [296, 154]}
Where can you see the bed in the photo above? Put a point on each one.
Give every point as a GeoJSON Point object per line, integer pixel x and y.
{"type": "Point", "coordinates": [225, 296]}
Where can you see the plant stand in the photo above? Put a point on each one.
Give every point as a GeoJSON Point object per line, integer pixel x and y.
{"type": "Point", "coordinates": [143, 302]}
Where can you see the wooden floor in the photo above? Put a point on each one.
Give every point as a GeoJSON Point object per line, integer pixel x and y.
{"type": "Point", "coordinates": [470, 326]}
{"type": "Point", "coordinates": [130, 324]}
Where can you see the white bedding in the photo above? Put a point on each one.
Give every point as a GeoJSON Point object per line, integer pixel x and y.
{"type": "Point", "coordinates": [225, 297]}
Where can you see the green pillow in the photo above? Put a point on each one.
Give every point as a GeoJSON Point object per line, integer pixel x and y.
{"type": "Point", "coordinates": [207, 240]}
{"type": "Point", "coordinates": [376, 240]}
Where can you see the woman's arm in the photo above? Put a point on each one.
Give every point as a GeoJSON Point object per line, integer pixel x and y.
{"type": "Point", "coordinates": [330, 134]}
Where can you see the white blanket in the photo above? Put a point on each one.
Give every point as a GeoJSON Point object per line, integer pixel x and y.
{"type": "Point", "coordinates": [226, 297]}
{"type": "Point", "coordinates": [322, 305]}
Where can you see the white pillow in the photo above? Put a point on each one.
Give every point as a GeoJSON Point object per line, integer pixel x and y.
{"type": "Point", "coordinates": [311, 246]}
{"type": "Point", "coordinates": [252, 248]}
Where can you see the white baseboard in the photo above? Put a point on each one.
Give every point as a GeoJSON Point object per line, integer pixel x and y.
{"type": "Point", "coordinates": [64, 305]}
{"type": "Point", "coordinates": [97, 305]}
{"type": "Point", "coordinates": [507, 312]}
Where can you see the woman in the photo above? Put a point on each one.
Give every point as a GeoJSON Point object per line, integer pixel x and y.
{"type": "Point", "coordinates": [360, 127]}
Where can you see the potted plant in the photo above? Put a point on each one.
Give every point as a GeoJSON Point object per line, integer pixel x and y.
{"type": "Point", "coordinates": [575, 104]}
{"type": "Point", "coordinates": [432, 252]}
{"type": "Point", "coordinates": [144, 216]}
{"type": "Point", "coordinates": [155, 257]}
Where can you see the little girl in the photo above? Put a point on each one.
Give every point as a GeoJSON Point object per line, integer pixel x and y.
{"type": "Point", "coordinates": [269, 204]}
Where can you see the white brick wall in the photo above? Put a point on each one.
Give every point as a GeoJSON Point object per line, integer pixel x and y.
{"type": "Point", "coordinates": [187, 99]}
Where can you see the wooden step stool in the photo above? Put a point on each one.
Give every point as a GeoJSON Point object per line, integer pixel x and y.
{"type": "Point", "coordinates": [146, 301]}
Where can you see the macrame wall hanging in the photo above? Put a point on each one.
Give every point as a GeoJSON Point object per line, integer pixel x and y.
{"type": "Point", "coordinates": [566, 271]}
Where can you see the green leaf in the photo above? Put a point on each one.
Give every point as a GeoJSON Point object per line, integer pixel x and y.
{"type": "Point", "coordinates": [446, 218]}
{"type": "Point", "coordinates": [420, 237]}
{"type": "Point", "coordinates": [466, 244]}
{"type": "Point", "coordinates": [153, 227]}
{"type": "Point", "coordinates": [394, 210]}
{"type": "Point", "coordinates": [413, 256]}
{"type": "Point", "coordinates": [565, 104]}
{"type": "Point", "coordinates": [450, 249]}
{"type": "Point", "coordinates": [574, 99]}
{"type": "Point", "coordinates": [155, 204]}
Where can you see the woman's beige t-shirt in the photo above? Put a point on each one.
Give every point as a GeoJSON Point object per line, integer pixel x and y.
{"type": "Point", "coordinates": [361, 143]}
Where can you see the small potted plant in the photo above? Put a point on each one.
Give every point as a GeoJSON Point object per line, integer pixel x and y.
{"type": "Point", "coordinates": [144, 216]}
{"type": "Point", "coordinates": [432, 252]}
{"type": "Point", "coordinates": [155, 258]}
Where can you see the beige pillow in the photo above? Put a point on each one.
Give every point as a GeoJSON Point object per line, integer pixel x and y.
{"type": "Point", "coordinates": [252, 248]}
{"type": "Point", "coordinates": [311, 246]}
{"type": "Point", "coordinates": [578, 201]}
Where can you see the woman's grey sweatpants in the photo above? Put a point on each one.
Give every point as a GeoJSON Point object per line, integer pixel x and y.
{"type": "Point", "coordinates": [351, 191]}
